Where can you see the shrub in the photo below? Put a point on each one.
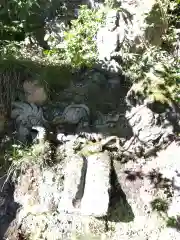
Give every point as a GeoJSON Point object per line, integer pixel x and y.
{"type": "Point", "coordinates": [80, 45]}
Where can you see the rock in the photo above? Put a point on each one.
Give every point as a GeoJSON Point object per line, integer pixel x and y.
{"type": "Point", "coordinates": [145, 124]}
{"type": "Point", "coordinates": [75, 173]}
{"type": "Point", "coordinates": [50, 188]}
{"type": "Point", "coordinates": [26, 116]}
{"type": "Point", "coordinates": [108, 37]}
{"type": "Point", "coordinates": [23, 134]}
{"type": "Point", "coordinates": [124, 31]}
{"type": "Point", "coordinates": [53, 110]}
{"type": "Point", "coordinates": [41, 136]}
{"type": "Point", "coordinates": [138, 28]}
{"type": "Point", "coordinates": [143, 182]}
{"type": "Point", "coordinates": [81, 186]}
{"type": "Point", "coordinates": [168, 164]}
{"type": "Point", "coordinates": [34, 93]}
{"type": "Point", "coordinates": [8, 207]}
{"type": "Point", "coordinates": [114, 82]}
{"type": "Point", "coordinates": [2, 123]}
{"type": "Point", "coordinates": [107, 43]}
{"type": "Point", "coordinates": [95, 200]}
{"type": "Point", "coordinates": [112, 18]}
{"type": "Point", "coordinates": [76, 112]}
{"type": "Point", "coordinates": [51, 197]}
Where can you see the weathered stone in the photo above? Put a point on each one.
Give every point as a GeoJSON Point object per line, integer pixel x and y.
{"type": "Point", "coordinates": [143, 15]}
{"type": "Point", "coordinates": [75, 112]}
{"type": "Point", "coordinates": [27, 114]}
{"type": "Point", "coordinates": [75, 172]}
{"type": "Point", "coordinates": [95, 200]}
{"type": "Point", "coordinates": [114, 82]}
{"type": "Point", "coordinates": [23, 134]}
{"type": "Point", "coordinates": [50, 188]}
{"type": "Point", "coordinates": [143, 122]}
{"type": "Point", "coordinates": [107, 43]}
{"type": "Point", "coordinates": [34, 93]}
{"type": "Point", "coordinates": [25, 117]}
{"type": "Point", "coordinates": [112, 18]}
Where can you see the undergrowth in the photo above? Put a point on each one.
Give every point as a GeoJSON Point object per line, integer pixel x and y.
{"type": "Point", "coordinates": [77, 49]}
{"type": "Point", "coordinates": [155, 70]}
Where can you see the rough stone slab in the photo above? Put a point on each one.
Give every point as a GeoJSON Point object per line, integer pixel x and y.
{"type": "Point", "coordinates": [75, 171]}
{"type": "Point", "coordinates": [95, 201]}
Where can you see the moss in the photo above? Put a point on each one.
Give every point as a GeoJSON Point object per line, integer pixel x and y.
{"type": "Point", "coordinates": [14, 72]}
{"type": "Point", "coordinates": [157, 87]}
{"type": "Point", "coordinates": [159, 205]}
{"type": "Point", "coordinates": [158, 97]}
{"type": "Point", "coordinates": [53, 75]}
{"type": "Point", "coordinates": [173, 222]}
{"type": "Point", "coordinates": [56, 77]}
{"type": "Point", "coordinates": [89, 149]}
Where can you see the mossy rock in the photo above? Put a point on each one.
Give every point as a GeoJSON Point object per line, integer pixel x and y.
{"type": "Point", "coordinates": [24, 67]}
{"type": "Point", "coordinates": [56, 77]}
{"type": "Point", "coordinates": [159, 97]}
{"type": "Point", "coordinates": [155, 89]}
{"type": "Point", "coordinates": [157, 16]}
{"type": "Point", "coordinates": [14, 72]}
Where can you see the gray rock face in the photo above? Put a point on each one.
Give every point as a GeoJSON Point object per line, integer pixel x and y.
{"type": "Point", "coordinates": [107, 38]}
{"type": "Point", "coordinates": [81, 180]}
{"type": "Point", "coordinates": [107, 43]}
{"type": "Point", "coordinates": [77, 186]}
{"type": "Point", "coordinates": [8, 207]}
{"type": "Point", "coordinates": [97, 185]}
{"type": "Point", "coordinates": [75, 173]}
{"type": "Point", "coordinates": [50, 189]}
{"type": "Point", "coordinates": [143, 121]}
{"type": "Point", "coordinates": [145, 125]}
{"type": "Point", "coordinates": [167, 162]}
{"type": "Point", "coordinates": [26, 116]}
{"type": "Point", "coordinates": [74, 113]}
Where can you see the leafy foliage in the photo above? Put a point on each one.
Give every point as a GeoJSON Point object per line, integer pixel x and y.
{"type": "Point", "coordinates": [173, 222]}
{"type": "Point", "coordinates": [19, 19]}
{"type": "Point", "coordinates": [160, 205]}
{"type": "Point", "coordinates": [157, 76]}
{"type": "Point", "coordinates": [80, 46]}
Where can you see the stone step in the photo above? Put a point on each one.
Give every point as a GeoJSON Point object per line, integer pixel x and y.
{"type": "Point", "coordinates": [95, 200]}
{"type": "Point", "coordinates": [86, 185]}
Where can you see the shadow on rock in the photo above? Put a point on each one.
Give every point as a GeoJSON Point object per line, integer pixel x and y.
{"type": "Point", "coordinates": [133, 175]}
{"type": "Point", "coordinates": [119, 208]}
{"type": "Point", "coordinates": [8, 207]}
{"type": "Point", "coordinates": [104, 92]}
{"type": "Point", "coordinates": [171, 113]}
{"type": "Point", "coordinates": [160, 182]}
